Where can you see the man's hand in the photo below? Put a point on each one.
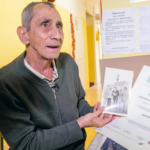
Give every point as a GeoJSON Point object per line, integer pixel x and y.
{"type": "Point", "coordinates": [98, 105]}
{"type": "Point", "coordinates": [95, 119]}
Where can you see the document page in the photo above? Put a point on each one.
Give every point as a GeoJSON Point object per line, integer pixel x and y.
{"type": "Point", "coordinates": [119, 31]}
{"type": "Point", "coordinates": [140, 105]}
{"type": "Point", "coordinates": [133, 132]}
{"type": "Point", "coordinates": [127, 133]}
{"type": "Point", "coordinates": [97, 142]}
{"type": "Point", "coordinates": [144, 29]}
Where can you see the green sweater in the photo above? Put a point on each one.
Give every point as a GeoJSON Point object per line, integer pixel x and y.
{"type": "Point", "coordinates": [30, 116]}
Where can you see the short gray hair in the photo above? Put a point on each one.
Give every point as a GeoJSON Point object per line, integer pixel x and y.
{"type": "Point", "coordinates": [27, 13]}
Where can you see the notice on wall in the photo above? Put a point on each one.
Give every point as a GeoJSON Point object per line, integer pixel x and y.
{"type": "Point", "coordinates": [119, 31]}
{"type": "Point", "coordinates": [144, 29]}
{"type": "Point", "coordinates": [134, 1]}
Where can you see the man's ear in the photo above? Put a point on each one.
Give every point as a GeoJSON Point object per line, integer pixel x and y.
{"type": "Point", "coordinates": [23, 35]}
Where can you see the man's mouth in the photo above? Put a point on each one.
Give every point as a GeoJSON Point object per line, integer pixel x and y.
{"type": "Point", "coordinates": [53, 46]}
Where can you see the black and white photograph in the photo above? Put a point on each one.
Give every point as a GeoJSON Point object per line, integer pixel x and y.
{"type": "Point", "coordinates": [111, 145]}
{"type": "Point", "coordinates": [117, 91]}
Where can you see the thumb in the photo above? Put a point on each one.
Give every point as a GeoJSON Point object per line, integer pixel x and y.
{"type": "Point", "coordinates": [99, 111]}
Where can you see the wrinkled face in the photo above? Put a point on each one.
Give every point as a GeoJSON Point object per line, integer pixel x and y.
{"type": "Point", "coordinates": [46, 32]}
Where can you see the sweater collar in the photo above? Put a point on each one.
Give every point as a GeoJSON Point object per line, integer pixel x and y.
{"type": "Point", "coordinates": [21, 68]}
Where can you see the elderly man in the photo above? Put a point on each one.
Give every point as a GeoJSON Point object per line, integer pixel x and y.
{"type": "Point", "coordinates": [42, 105]}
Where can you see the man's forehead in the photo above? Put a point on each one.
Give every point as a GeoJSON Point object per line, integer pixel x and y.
{"type": "Point", "coordinates": [41, 6]}
{"type": "Point", "coordinates": [43, 10]}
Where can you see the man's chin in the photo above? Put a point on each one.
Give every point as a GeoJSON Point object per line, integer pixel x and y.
{"type": "Point", "coordinates": [51, 57]}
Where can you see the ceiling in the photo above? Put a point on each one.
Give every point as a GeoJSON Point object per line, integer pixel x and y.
{"type": "Point", "coordinates": [96, 4]}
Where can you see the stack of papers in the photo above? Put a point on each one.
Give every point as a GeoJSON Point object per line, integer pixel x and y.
{"type": "Point", "coordinates": [133, 131]}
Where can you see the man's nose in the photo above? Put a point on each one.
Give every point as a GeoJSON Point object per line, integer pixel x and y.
{"type": "Point", "coordinates": [55, 33]}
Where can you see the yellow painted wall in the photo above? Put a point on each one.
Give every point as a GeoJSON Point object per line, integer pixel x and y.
{"type": "Point", "coordinates": [86, 55]}
{"type": "Point", "coordinates": [91, 53]}
{"type": "Point", "coordinates": [117, 4]}
{"type": "Point", "coordinates": [10, 15]}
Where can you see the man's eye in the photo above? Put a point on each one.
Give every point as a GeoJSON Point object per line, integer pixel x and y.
{"type": "Point", "coordinates": [59, 26]}
{"type": "Point", "coordinates": [45, 24]}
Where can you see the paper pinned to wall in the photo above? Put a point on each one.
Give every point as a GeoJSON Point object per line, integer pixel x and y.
{"type": "Point", "coordinates": [119, 31]}
{"type": "Point", "coordinates": [144, 29]}
{"type": "Point", "coordinates": [134, 1]}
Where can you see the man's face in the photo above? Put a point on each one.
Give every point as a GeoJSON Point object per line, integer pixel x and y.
{"type": "Point", "coordinates": [125, 89]}
{"type": "Point", "coordinates": [46, 32]}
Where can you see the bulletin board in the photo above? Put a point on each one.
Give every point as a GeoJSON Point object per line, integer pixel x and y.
{"type": "Point", "coordinates": [138, 48]}
{"type": "Point", "coordinates": [134, 64]}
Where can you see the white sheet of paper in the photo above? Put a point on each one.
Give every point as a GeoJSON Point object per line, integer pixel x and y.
{"type": "Point", "coordinates": [140, 104]}
{"type": "Point", "coordinates": [127, 133]}
{"type": "Point", "coordinates": [97, 142]}
{"type": "Point", "coordinates": [116, 91]}
{"type": "Point", "coordinates": [133, 1]}
{"type": "Point", "coordinates": [144, 29]}
{"type": "Point", "coordinates": [134, 132]}
{"type": "Point", "coordinates": [119, 31]}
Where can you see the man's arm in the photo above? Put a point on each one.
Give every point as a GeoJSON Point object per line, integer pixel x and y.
{"type": "Point", "coordinates": [21, 133]}
{"type": "Point", "coordinates": [83, 105]}
{"type": "Point", "coordinates": [89, 119]}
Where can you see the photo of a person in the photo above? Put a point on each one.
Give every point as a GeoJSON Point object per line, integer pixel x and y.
{"type": "Point", "coordinates": [109, 97]}
{"type": "Point", "coordinates": [111, 145]}
{"type": "Point", "coordinates": [115, 94]}
{"type": "Point", "coordinates": [116, 91]}
{"type": "Point", "coordinates": [125, 99]}
{"type": "Point", "coordinates": [120, 103]}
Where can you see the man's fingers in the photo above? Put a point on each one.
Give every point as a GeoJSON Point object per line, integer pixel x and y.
{"type": "Point", "coordinates": [95, 107]}
{"type": "Point", "coordinates": [114, 117]}
{"type": "Point", "coordinates": [101, 116]}
{"type": "Point", "coordinates": [98, 105]}
{"type": "Point", "coordinates": [99, 111]}
{"type": "Point", "coordinates": [117, 116]}
{"type": "Point", "coordinates": [108, 118]}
